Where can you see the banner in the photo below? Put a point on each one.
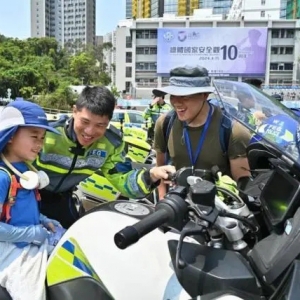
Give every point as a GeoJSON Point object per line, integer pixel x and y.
{"type": "Point", "coordinates": [223, 51]}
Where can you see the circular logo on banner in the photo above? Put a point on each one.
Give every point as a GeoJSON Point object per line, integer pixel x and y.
{"type": "Point", "coordinates": [168, 36]}
{"type": "Point", "coordinates": [182, 36]}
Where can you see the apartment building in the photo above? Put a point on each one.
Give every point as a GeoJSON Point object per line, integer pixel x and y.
{"type": "Point", "coordinates": [257, 9]}
{"type": "Point", "coordinates": [157, 8]}
{"type": "Point", "coordinates": [68, 21]}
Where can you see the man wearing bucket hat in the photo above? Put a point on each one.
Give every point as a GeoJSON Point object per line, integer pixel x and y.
{"type": "Point", "coordinates": [24, 232]}
{"type": "Point", "coordinates": [193, 137]}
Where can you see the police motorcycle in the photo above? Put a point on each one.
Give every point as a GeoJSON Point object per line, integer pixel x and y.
{"type": "Point", "coordinates": [125, 250]}
{"type": "Point", "coordinates": [231, 261]}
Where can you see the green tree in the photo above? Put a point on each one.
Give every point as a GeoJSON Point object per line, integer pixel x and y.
{"type": "Point", "coordinates": [40, 68]}
{"type": "Point", "coordinates": [115, 91]}
{"type": "Point", "coordinates": [82, 66]}
{"type": "Point", "coordinates": [63, 98]}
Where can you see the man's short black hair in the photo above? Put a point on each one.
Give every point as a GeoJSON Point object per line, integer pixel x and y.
{"type": "Point", "coordinates": [254, 81]}
{"type": "Point", "coordinates": [98, 100]}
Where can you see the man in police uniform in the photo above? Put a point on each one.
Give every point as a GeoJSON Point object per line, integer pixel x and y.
{"type": "Point", "coordinates": [155, 109]}
{"type": "Point", "coordinates": [87, 145]}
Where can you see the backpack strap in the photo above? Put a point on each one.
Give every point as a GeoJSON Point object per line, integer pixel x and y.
{"type": "Point", "coordinates": [167, 126]}
{"type": "Point", "coordinates": [11, 195]}
{"type": "Point", "coordinates": [225, 132]}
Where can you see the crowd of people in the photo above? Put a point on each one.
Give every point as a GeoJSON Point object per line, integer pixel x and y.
{"type": "Point", "coordinates": [43, 163]}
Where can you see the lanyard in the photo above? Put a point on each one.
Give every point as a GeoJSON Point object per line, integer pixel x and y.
{"type": "Point", "coordinates": [187, 139]}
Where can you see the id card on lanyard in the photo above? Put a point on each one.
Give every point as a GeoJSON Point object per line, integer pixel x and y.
{"type": "Point", "coordinates": [194, 158]}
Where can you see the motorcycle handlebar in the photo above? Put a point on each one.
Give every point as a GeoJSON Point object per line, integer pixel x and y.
{"type": "Point", "coordinates": [171, 211]}
{"type": "Point", "coordinates": [131, 234]}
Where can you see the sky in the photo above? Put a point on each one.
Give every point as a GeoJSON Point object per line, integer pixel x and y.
{"type": "Point", "coordinates": [15, 17]}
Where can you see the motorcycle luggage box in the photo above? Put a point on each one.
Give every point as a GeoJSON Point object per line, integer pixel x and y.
{"type": "Point", "coordinates": [272, 255]}
{"type": "Point", "coordinates": [209, 270]}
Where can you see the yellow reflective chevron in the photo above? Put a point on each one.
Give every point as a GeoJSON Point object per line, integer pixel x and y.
{"type": "Point", "coordinates": [69, 262]}
{"type": "Point", "coordinates": [138, 131]}
{"type": "Point", "coordinates": [138, 150]}
{"type": "Point", "coordinates": [99, 187]}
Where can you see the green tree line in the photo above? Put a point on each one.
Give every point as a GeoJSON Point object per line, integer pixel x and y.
{"type": "Point", "coordinates": [40, 67]}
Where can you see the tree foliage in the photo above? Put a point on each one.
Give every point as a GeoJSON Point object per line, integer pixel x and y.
{"type": "Point", "coordinates": [38, 68]}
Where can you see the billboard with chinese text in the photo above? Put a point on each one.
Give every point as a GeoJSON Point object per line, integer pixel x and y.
{"type": "Point", "coordinates": [224, 51]}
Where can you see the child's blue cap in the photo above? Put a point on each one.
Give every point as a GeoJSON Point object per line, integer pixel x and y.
{"type": "Point", "coordinates": [21, 114]}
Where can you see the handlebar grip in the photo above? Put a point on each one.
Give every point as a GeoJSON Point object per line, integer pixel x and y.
{"type": "Point", "coordinates": [131, 234]}
{"type": "Point", "coordinates": [171, 176]}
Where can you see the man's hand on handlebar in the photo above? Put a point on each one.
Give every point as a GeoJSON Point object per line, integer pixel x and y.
{"type": "Point", "coordinates": [162, 172]}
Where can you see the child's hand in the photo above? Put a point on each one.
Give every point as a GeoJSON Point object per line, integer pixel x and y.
{"type": "Point", "coordinates": [51, 224]}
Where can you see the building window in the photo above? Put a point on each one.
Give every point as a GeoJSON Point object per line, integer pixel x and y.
{"type": "Point", "coordinates": [146, 50]}
{"type": "Point", "coordinates": [127, 86]}
{"type": "Point", "coordinates": [153, 50]}
{"type": "Point", "coordinates": [275, 33]}
{"type": "Point", "coordinates": [274, 50]}
{"type": "Point", "coordinates": [262, 13]}
{"type": "Point", "coordinates": [289, 50]}
{"type": "Point", "coordinates": [145, 66]}
{"type": "Point", "coordinates": [128, 72]}
{"type": "Point", "coordinates": [153, 34]}
{"type": "Point", "coordinates": [146, 34]}
{"type": "Point", "coordinates": [273, 66]}
{"type": "Point", "coordinates": [281, 50]}
{"type": "Point", "coordinates": [290, 33]}
{"type": "Point", "coordinates": [128, 57]}
{"type": "Point", "coordinates": [288, 66]}
{"type": "Point", "coordinates": [263, 2]}
{"type": "Point", "coordinates": [128, 42]}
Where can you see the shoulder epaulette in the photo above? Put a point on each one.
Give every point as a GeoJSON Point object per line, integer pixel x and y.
{"type": "Point", "coordinates": [114, 135]}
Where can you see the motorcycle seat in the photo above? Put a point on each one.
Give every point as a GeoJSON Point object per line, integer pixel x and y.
{"type": "Point", "coordinates": [4, 295]}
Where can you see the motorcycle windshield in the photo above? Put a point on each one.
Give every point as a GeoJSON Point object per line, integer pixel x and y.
{"type": "Point", "coordinates": [269, 121]}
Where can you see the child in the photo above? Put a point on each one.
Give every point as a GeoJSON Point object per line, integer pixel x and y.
{"type": "Point", "coordinates": [24, 232]}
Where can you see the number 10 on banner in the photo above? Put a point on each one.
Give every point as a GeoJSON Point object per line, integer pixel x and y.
{"type": "Point", "coordinates": [229, 52]}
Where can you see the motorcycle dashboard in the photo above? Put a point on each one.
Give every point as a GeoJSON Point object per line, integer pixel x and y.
{"type": "Point", "coordinates": [279, 197]}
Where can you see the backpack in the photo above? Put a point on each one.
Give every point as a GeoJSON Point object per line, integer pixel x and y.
{"type": "Point", "coordinates": [224, 132]}
{"type": "Point", "coordinates": [11, 195]}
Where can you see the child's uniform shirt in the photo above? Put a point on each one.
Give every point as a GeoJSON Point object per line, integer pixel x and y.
{"type": "Point", "coordinates": [25, 211]}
